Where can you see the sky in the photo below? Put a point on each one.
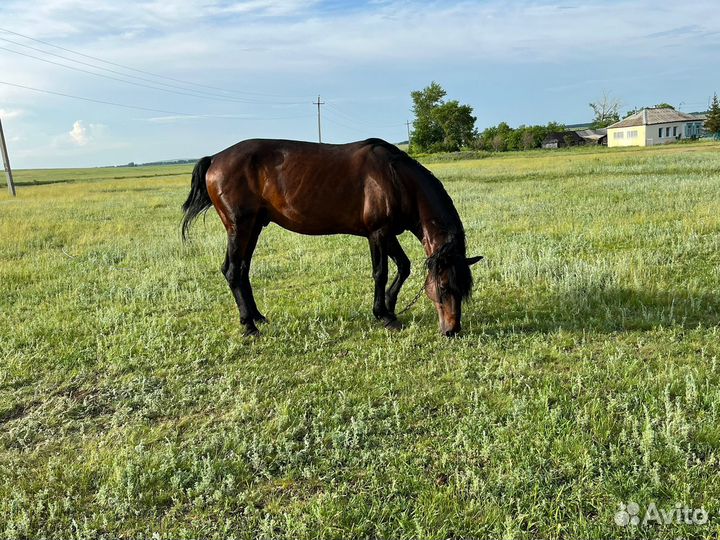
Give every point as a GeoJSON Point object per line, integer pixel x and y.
{"type": "Point", "coordinates": [196, 76]}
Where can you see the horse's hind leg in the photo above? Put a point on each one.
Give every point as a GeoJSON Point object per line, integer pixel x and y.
{"type": "Point", "coordinates": [398, 256]}
{"type": "Point", "coordinates": [245, 272]}
{"type": "Point", "coordinates": [242, 239]}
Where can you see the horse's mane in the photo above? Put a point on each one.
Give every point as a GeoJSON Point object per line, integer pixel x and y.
{"type": "Point", "coordinates": [450, 217]}
{"type": "Point", "coordinates": [450, 256]}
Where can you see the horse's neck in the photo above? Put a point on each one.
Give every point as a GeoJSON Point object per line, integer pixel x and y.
{"type": "Point", "coordinates": [437, 225]}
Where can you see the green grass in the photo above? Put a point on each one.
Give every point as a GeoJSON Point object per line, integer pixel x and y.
{"type": "Point", "coordinates": [587, 374]}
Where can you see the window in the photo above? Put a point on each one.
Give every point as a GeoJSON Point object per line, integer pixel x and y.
{"type": "Point", "coordinates": [660, 132]}
{"type": "Point", "coordinates": [619, 135]}
{"type": "Point", "coordinates": [674, 131]}
{"type": "Point", "coordinates": [632, 134]}
{"type": "Point", "coordinates": [667, 131]}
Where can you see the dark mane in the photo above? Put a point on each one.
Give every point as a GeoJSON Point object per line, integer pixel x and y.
{"type": "Point", "coordinates": [451, 257]}
{"type": "Point", "coordinates": [447, 212]}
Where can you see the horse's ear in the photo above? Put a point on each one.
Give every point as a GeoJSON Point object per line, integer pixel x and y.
{"type": "Point", "coordinates": [472, 260]}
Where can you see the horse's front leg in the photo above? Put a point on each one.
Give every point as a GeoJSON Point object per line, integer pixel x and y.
{"type": "Point", "coordinates": [379, 256]}
{"type": "Point", "coordinates": [398, 256]}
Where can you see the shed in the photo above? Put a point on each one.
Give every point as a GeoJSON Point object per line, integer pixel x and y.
{"type": "Point", "coordinates": [593, 136]}
{"type": "Point", "coordinates": [558, 139]}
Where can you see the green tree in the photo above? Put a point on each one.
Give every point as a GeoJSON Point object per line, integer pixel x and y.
{"type": "Point", "coordinates": [712, 122]}
{"type": "Point", "coordinates": [440, 125]}
{"type": "Point", "coordinates": [426, 129]}
{"type": "Point", "coordinates": [497, 143]}
{"type": "Point", "coordinates": [457, 123]}
{"type": "Point", "coordinates": [502, 137]}
{"type": "Point", "coordinates": [528, 139]}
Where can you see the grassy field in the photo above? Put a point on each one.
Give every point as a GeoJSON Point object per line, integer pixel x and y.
{"type": "Point", "coordinates": [587, 375]}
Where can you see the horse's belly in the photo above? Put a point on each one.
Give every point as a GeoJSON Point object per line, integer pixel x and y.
{"type": "Point", "coordinates": [318, 223]}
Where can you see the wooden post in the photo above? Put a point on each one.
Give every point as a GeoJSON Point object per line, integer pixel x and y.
{"type": "Point", "coordinates": [318, 103]}
{"type": "Point", "coordinates": [6, 162]}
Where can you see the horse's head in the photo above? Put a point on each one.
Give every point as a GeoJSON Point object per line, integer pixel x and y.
{"type": "Point", "coordinates": [448, 283]}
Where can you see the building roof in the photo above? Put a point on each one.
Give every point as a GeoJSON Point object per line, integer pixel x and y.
{"type": "Point", "coordinates": [647, 117]}
{"type": "Point", "coordinates": [560, 136]}
{"type": "Point", "coordinates": [591, 134]}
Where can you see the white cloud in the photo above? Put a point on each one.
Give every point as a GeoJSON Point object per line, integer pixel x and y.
{"type": "Point", "coordinates": [296, 34]}
{"type": "Point", "coordinates": [7, 114]}
{"type": "Point", "coordinates": [82, 134]}
{"type": "Point", "coordinates": [79, 133]}
{"type": "Point", "coordinates": [289, 50]}
{"type": "Point", "coordinates": [207, 40]}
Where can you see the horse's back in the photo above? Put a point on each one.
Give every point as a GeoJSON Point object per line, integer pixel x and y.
{"type": "Point", "coordinates": [307, 187]}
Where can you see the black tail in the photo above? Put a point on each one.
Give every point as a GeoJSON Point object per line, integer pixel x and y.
{"type": "Point", "coordinates": [198, 200]}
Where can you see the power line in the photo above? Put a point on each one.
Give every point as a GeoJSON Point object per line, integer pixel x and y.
{"type": "Point", "coordinates": [205, 94]}
{"type": "Point", "coordinates": [329, 118]}
{"type": "Point", "coordinates": [148, 109]}
{"type": "Point", "coordinates": [129, 68]}
{"type": "Point", "coordinates": [358, 129]}
{"type": "Point", "coordinates": [359, 121]}
{"type": "Point", "coordinates": [81, 70]}
{"type": "Point", "coordinates": [94, 100]}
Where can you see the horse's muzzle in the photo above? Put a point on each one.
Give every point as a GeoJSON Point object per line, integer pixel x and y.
{"type": "Point", "coordinates": [452, 332]}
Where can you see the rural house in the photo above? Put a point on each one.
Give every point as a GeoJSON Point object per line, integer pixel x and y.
{"type": "Point", "coordinates": [591, 137]}
{"type": "Point", "coordinates": [649, 127]}
{"type": "Point", "coordinates": [558, 139]}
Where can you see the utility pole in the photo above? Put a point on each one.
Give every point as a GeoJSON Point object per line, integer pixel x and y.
{"type": "Point", "coordinates": [6, 162]}
{"type": "Point", "coordinates": [318, 103]}
{"type": "Point", "coordinates": [407, 123]}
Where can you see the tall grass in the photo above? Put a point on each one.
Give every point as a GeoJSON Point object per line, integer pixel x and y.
{"type": "Point", "coordinates": [587, 375]}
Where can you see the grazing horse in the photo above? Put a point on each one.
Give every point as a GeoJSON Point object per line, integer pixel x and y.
{"type": "Point", "coordinates": [368, 188]}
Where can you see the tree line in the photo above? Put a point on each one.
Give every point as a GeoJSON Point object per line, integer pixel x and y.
{"type": "Point", "coordinates": [449, 126]}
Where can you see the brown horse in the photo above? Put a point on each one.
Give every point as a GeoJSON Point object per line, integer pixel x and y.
{"type": "Point", "coordinates": [368, 188]}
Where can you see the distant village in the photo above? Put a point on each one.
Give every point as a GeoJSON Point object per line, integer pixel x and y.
{"type": "Point", "coordinates": [647, 127]}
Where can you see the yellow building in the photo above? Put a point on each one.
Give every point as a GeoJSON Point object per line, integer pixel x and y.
{"type": "Point", "coordinates": [654, 126]}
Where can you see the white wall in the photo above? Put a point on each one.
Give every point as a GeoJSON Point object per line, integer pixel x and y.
{"type": "Point", "coordinates": [651, 133]}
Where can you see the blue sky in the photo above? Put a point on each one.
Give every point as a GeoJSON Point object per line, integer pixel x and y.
{"type": "Point", "coordinates": [262, 63]}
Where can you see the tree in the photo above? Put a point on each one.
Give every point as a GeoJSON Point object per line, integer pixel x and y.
{"type": "Point", "coordinates": [607, 111]}
{"type": "Point", "coordinates": [502, 137]}
{"type": "Point", "coordinates": [426, 129]}
{"type": "Point", "coordinates": [712, 122]}
{"type": "Point", "coordinates": [457, 123]}
{"type": "Point", "coordinates": [528, 139]}
{"type": "Point", "coordinates": [440, 125]}
{"type": "Point", "coordinates": [498, 143]}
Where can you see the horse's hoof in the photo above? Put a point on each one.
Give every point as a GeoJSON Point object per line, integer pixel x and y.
{"type": "Point", "coordinates": [393, 324]}
{"type": "Point", "coordinates": [259, 318]}
{"type": "Point", "coordinates": [252, 333]}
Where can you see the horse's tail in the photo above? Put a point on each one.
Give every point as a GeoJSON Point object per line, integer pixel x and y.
{"type": "Point", "coordinates": [198, 200]}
